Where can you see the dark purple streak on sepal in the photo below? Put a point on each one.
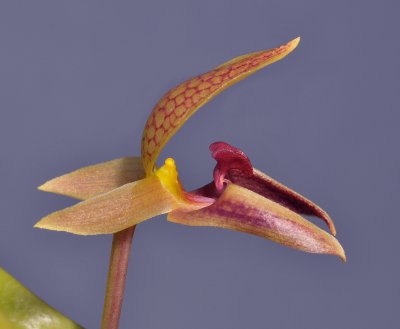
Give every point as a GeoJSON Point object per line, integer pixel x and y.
{"type": "Point", "coordinates": [243, 210]}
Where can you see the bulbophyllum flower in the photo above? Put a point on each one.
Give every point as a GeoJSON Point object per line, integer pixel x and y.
{"type": "Point", "coordinates": [124, 192]}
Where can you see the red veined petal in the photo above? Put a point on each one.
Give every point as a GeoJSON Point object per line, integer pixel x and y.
{"type": "Point", "coordinates": [178, 104]}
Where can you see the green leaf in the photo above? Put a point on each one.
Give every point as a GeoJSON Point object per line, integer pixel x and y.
{"type": "Point", "coordinates": [21, 309]}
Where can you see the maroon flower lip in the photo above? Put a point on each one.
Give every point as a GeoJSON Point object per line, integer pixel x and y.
{"type": "Point", "coordinates": [228, 158]}
{"type": "Point", "coordinates": [234, 166]}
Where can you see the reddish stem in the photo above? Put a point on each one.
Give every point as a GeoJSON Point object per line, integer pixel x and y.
{"type": "Point", "coordinates": [118, 267]}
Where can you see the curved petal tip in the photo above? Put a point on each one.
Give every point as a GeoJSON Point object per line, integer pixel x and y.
{"type": "Point", "coordinates": [295, 42]}
{"type": "Point", "coordinates": [341, 253]}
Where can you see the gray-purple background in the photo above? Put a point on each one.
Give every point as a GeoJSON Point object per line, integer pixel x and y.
{"type": "Point", "coordinates": [77, 81]}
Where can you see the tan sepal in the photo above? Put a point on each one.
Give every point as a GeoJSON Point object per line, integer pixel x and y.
{"type": "Point", "coordinates": [113, 211]}
{"type": "Point", "coordinates": [243, 210]}
{"type": "Point", "coordinates": [90, 181]}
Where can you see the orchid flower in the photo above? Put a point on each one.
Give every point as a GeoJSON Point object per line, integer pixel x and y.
{"type": "Point", "coordinates": [121, 193]}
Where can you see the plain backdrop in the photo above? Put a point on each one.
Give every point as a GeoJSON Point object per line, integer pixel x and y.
{"type": "Point", "coordinates": [77, 81]}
